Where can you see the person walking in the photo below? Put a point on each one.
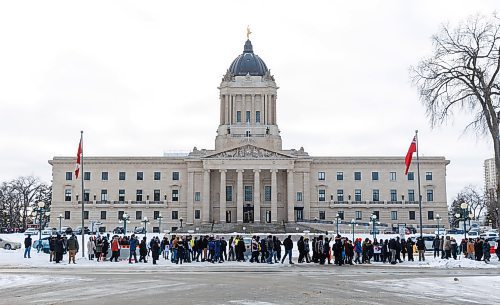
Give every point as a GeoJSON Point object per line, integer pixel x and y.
{"type": "Point", "coordinates": [270, 249]}
{"type": "Point", "coordinates": [72, 245]}
{"type": "Point", "coordinates": [143, 250]}
{"type": "Point", "coordinates": [300, 247]}
{"type": "Point", "coordinates": [27, 246]}
{"type": "Point", "coordinates": [288, 244]}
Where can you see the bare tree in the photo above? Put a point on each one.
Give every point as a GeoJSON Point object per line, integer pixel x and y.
{"type": "Point", "coordinates": [475, 199]}
{"type": "Point", "coordinates": [462, 76]}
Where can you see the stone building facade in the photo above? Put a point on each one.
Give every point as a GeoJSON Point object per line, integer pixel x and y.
{"type": "Point", "coordinates": [248, 177]}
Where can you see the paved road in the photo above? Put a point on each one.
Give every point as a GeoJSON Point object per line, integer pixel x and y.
{"type": "Point", "coordinates": [234, 285]}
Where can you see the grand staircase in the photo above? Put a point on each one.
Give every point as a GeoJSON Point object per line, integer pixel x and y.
{"type": "Point", "coordinates": [248, 228]}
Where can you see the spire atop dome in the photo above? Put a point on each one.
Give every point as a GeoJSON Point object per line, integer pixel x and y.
{"type": "Point", "coordinates": [248, 47]}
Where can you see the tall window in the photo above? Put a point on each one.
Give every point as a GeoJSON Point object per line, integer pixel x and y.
{"type": "Point", "coordinates": [69, 176]}
{"type": "Point", "coordinates": [175, 195]}
{"type": "Point", "coordinates": [197, 196]}
{"type": "Point", "coordinates": [156, 195]}
{"type": "Point", "coordinates": [121, 175]}
{"type": "Point", "coordinates": [394, 215]}
{"type": "Point", "coordinates": [120, 215]}
{"type": "Point", "coordinates": [411, 215]}
{"type": "Point", "coordinates": [299, 196]}
{"type": "Point", "coordinates": [67, 195]}
{"type": "Point", "coordinates": [156, 214]}
{"type": "Point", "coordinates": [157, 176]}
{"type": "Point", "coordinates": [104, 176]}
{"type": "Point", "coordinates": [322, 215]}
{"type": "Point", "coordinates": [85, 214]}
{"type": "Point", "coordinates": [430, 215]}
{"type": "Point", "coordinates": [138, 215]}
{"type": "Point", "coordinates": [428, 176]}
{"type": "Point", "coordinates": [394, 195]}
{"type": "Point", "coordinates": [103, 215]}
{"type": "Point", "coordinates": [376, 213]}
{"type": "Point", "coordinates": [321, 195]}
{"type": "Point", "coordinates": [86, 195]}
{"type": "Point", "coordinates": [430, 195]}
{"type": "Point", "coordinates": [86, 176]}
{"type": "Point", "coordinates": [321, 175]}
{"type": "Point", "coordinates": [248, 192]}
{"type": "Point", "coordinates": [340, 195]}
{"type": "Point", "coordinates": [229, 193]}
{"type": "Point", "coordinates": [341, 215]}
{"type": "Point", "coordinates": [340, 176]}
{"type": "Point", "coordinates": [411, 195]}
{"type": "Point", "coordinates": [375, 195]}
{"type": "Point", "coordinates": [359, 215]}
{"type": "Point", "coordinates": [175, 215]}
{"type": "Point", "coordinates": [67, 214]}
{"type": "Point", "coordinates": [175, 175]}
{"type": "Point", "coordinates": [257, 116]}
{"type": "Point", "coordinates": [138, 195]}
{"type": "Point", "coordinates": [197, 214]}
{"type": "Point", "coordinates": [121, 195]}
{"type": "Point", "coordinates": [374, 176]}
{"type": "Point", "coordinates": [411, 176]}
{"type": "Point", "coordinates": [238, 116]}
{"type": "Point", "coordinates": [104, 195]}
{"type": "Point", "coordinates": [247, 117]}
{"type": "Point", "coordinates": [357, 176]}
{"type": "Point", "coordinates": [140, 176]}
{"type": "Point", "coordinates": [267, 193]}
{"type": "Point", "coordinates": [357, 195]}
{"type": "Point", "coordinates": [392, 176]}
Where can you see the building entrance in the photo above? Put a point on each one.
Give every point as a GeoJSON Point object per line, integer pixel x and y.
{"type": "Point", "coordinates": [248, 214]}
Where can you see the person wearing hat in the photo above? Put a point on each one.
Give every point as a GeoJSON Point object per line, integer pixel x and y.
{"type": "Point", "coordinates": [72, 245]}
{"type": "Point", "coordinates": [59, 248]}
{"type": "Point", "coordinates": [27, 246]}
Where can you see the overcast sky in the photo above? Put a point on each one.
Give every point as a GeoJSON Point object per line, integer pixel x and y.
{"type": "Point", "coordinates": [140, 78]}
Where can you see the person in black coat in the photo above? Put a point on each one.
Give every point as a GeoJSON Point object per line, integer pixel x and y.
{"type": "Point", "coordinates": [337, 251]}
{"type": "Point", "coordinates": [301, 248]}
{"type": "Point", "coordinates": [105, 248]}
{"type": "Point", "coordinates": [59, 248]}
{"type": "Point", "coordinates": [155, 250]}
{"type": "Point", "coordinates": [409, 249]}
{"type": "Point", "coordinates": [143, 250]}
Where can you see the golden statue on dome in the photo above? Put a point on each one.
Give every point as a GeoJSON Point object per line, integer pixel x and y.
{"type": "Point", "coordinates": [248, 32]}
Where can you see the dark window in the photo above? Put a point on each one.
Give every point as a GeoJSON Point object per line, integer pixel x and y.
{"type": "Point", "coordinates": [340, 175]}
{"type": "Point", "coordinates": [321, 195]}
{"type": "Point", "coordinates": [104, 195]}
{"type": "Point", "coordinates": [67, 195]}
{"type": "Point", "coordinates": [394, 195]}
{"type": "Point", "coordinates": [428, 176]}
{"type": "Point", "coordinates": [359, 215]}
{"type": "Point", "coordinates": [175, 215]}
{"type": "Point", "coordinates": [197, 214]}
{"type": "Point", "coordinates": [322, 215]}
{"type": "Point", "coordinates": [140, 176]}
{"type": "Point", "coordinates": [392, 176]}
{"type": "Point", "coordinates": [175, 195]}
{"type": "Point", "coordinates": [86, 195]}
{"type": "Point", "coordinates": [248, 192]}
{"type": "Point", "coordinates": [411, 215]}
{"type": "Point", "coordinates": [376, 195]}
{"type": "Point", "coordinates": [341, 215]}
{"type": "Point", "coordinates": [299, 196]}
{"type": "Point", "coordinates": [411, 176]}
{"type": "Point", "coordinates": [394, 215]}
{"type": "Point", "coordinates": [257, 116]}
{"type": "Point", "coordinates": [247, 117]}
{"type": "Point", "coordinates": [121, 195]}
{"type": "Point", "coordinates": [156, 195]}
{"type": "Point", "coordinates": [357, 195]}
{"type": "Point", "coordinates": [175, 175]}
{"type": "Point", "coordinates": [138, 215]}
{"type": "Point", "coordinates": [267, 193]}
{"type": "Point", "coordinates": [229, 193]}
{"type": "Point", "coordinates": [321, 175]}
{"type": "Point", "coordinates": [69, 176]}
{"type": "Point", "coordinates": [86, 176]}
{"type": "Point", "coordinates": [138, 196]}
{"type": "Point", "coordinates": [411, 195]}
{"type": "Point", "coordinates": [197, 196]}
{"type": "Point", "coordinates": [157, 176]}
{"type": "Point", "coordinates": [430, 215]}
{"type": "Point", "coordinates": [156, 214]}
{"type": "Point", "coordinates": [121, 175]}
{"type": "Point", "coordinates": [340, 195]}
{"type": "Point", "coordinates": [67, 214]}
{"type": "Point", "coordinates": [357, 176]}
{"type": "Point", "coordinates": [430, 195]}
{"type": "Point", "coordinates": [238, 116]}
{"type": "Point", "coordinates": [103, 214]}
{"type": "Point", "coordinates": [104, 176]}
{"type": "Point", "coordinates": [120, 215]}
{"type": "Point", "coordinates": [374, 176]}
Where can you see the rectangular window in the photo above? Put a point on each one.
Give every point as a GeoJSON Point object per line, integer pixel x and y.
{"type": "Point", "coordinates": [374, 176]}
{"type": "Point", "coordinates": [229, 193]}
{"type": "Point", "coordinates": [257, 116]}
{"type": "Point", "coordinates": [430, 215]}
{"type": "Point", "coordinates": [359, 215]}
{"type": "Point", "coordinates": [322, 215]}
{"type": "Point", "coordinates": [238, 116]}
{"type": "Point", "coordinates": [156, 214]}
{"type": "Point", "coordinates": [86, 195]}
{"type": "Point", "coordinates": [138, 195]}
{"type": "Point", "coordinates": [392, 176]}
{"type": "Point", "coordinates": [103, 215]}
{"type": "Point", "coordinates": [67, 195]}
{"type": "Point", "coordinates": [428, 176]}
{"type": "Point", "coordinates": [140, 176]}
{"type": "Point", "coordinates": [321, 195]}
{"type": "Point", "coordinates": [86, 176]}
{"type": "Point", "coordinates": [248, 192]}
{"type": "Point", "coordinates": [375, 195]}
{"type": "Point", "coordinates": [175, 215]}
{"type": "Point", "coordinates": [411, 195]}
{"type": "Point", "coordinates": [104, 195]}
{"type": "Point", "coordinates": [138, 215]}
{"type": "Point", "coordinates": [357, 195]}
{"type": "Point", "coordinates": [340, 195]}
{"type": "Point", "coordinates": [121, 195]}
{"type": "Point", "coordinates": [121, 176]}
{"type": "Point", "coordinates": [175, 175]}
{"type": "Point", "coordinates": [394, 215]}
{"type": "Point", "coordinates": [340, 176]}
{"type": "Point", "coordinates": [67, 215]}
{"type": "Point", "coordinates": [299, 196]}
{"type": "Point", "coordinates": [175, 195]}
{"type": "Point", "coordinates": [247, 116]}
{"type": "Point", "coordinates": [411, 215]}
{"type": "Point", "coordinates": [120, 215]}
{"type": "Point", "coordinates": [197, 196]}
{"type": "Point", "coordinates": [267, 193]}
{"type": "Point", "coordinates": [394, 195]}
{"type": "Point", "coordinates": [341, 215]}
{"type": "Point", "coordinates": [197, 214]}
{"type": "Point", "coordinates": [357, 176]}
{"type": "Point", "coordinates": [156, 195]}
{"type": "Point", "coordinates": [157, 176]}
{"type": "Point", "coordinates": [69, 175]}
{"type": "Point", "coordinates": [104, 176]}
{"type": "Point", "coordinates": [430, 195]}
{"type": "Point", "coordinates": [411, 176]}
{"type": "Point", "coordinates": [321, 175]}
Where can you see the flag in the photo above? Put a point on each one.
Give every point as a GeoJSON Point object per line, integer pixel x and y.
{"type": "Point", "coordinates": [78, 159]}
{"type": "Point", "coordinates": [409, 154]}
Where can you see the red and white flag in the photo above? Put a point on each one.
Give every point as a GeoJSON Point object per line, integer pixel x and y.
{"type": "Point", "coordinates": [409, 154]}
{"type": "Point", "coordinates": [78, 159]}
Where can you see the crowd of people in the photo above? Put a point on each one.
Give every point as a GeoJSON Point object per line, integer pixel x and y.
{"type": "Point", "coordinates": [179, 249]}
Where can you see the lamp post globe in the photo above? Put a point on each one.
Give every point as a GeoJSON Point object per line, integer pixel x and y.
{"type": "Point", "coordinates": [374, 219]}
{"type": "Point", "coordinates": [353, 222]}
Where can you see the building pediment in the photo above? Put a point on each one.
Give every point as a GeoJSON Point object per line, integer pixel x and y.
{"type": "Point", "coordinates": [248, 152]}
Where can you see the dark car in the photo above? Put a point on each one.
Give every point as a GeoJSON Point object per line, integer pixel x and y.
{"type": "Point", "coordinates": [78, 231]}
{"type": "Point", "coordinates": [139, 230]}
{"type": "Point", "coordinates": [118, 230]}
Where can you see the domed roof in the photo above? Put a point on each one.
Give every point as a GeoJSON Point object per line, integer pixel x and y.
{"type": "Point", "coordinates": [248, 63]}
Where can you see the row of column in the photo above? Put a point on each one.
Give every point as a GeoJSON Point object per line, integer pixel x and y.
{"type": "Point", "coordinates": [228, 112]}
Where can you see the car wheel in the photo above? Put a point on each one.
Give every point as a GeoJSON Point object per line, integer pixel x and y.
{"type": "Point", "coordinates": [7, 247]}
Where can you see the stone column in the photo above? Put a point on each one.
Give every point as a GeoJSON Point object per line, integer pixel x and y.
{"type": "Point", "coordinates": [306, 197]}
{"type": "Point", "coordinates": [274, 196]}
{"type": "Point", "coordinates": [222, 196]}
{"type": "Point", "coordinates": [190, 201]}
{"type": "Point", "coordinates": [206, 196]}
{"type": "Point", "coordinates": [290, 196]}
{"type": "Point", "coordinates": [256, 195]}
{"type": "Point", "coordinates": [239, 196]}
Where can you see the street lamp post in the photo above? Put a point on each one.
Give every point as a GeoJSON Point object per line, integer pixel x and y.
{"type": "Point", "coordinates": [464, 209]}
{"type": "Point", "coordinates": [159, 222]}
{"type": "Point", "coordinates": [374, 219]}
{"type": "Point", "coordinates": [337, 217]}
{"type": "Point", "coordinates": [181, 220]}
{"type": "Point", "coordinates": [438, 218]}
{"type": "Point", "coordinates": [60, 217]}
{"type": "Point", "coordinates": [145, 220]}
{"type": "Point", "coordinates": [41, 211]}
{"type": "Point", "coordinates": [125, 219]}
{"type": "Point", "coordinates": [353, 223]}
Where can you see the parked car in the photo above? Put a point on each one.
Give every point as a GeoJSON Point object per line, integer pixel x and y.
{"type": "Point", "coordinates": [118, 230]}
{"type": "Point", "coordinates": [489, 234]}
{"type": "Point", "coordinates": [139, 230]}
{"type": "Point", "coordinates": [473, 234]}
{"type": "Point", "coordinates": [428, 240]}
{"type": "Point", "coordinates": [78, 230]}
{"type": "Point", "coordinates": [9, 245]}
{"type": "Point", "coordinates": [454, 232]}
{"type": "Point", "coordinates": [45, 244]}
{"type": "Point", "coordinates": [31, 231]}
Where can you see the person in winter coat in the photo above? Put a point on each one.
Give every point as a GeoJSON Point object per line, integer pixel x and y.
{"type": "Point", "coordinates": [315, 254]}
{"type": "Point", "coordinates": [409, 249]}
{"type": "Point", "coordinates": [486, 251]}
{"type": "Point", "coordinates": [300, 248]}
{"type": "Point", "coordinates": [349, 251]}
{"type": "Point", "coordinates": [73, 248]}
{"type": "Point", "coordinates": [115, 249]}
{"type": "Point", "coordinates": [263, 250]}
{"type": "Point", "coordinates": [155, 250]}
{"type": "Point", "coordinates": [435, 245]}
{"type": "Point", "coordinates": [421, 249]}
{"type": "Point", "coordinates": [385, 250]}
{"type": "Point", "coordinates": [478, 249]}
{"type": "Point", "coordinates": [255, 249]}
{"type": "Point", "coordinates": [319, 250]}
{"type": "Point", "coordinates": [404, 250]}
{"type": "Point", "coordinates": [392, 249]}
{"type": "Point", "coordinates": [470, 249]}
{"type": "Point", "coordinates": [27, 246]}
{"type": "Point", "coordinates": [288, 244]}
{"type": "Point", "coordinates": [454, 248]}
{"type": "Point", "coordinates": [337, 250]}
{"type": "Point", "coordinates": [277, 249]}
{"type": "Point", "coordinates": [143, 250]}
{"type": "Point", "coordinates": [105, 248]}
{"type": "Point", "coordinates": [497, 248]}
{"type": "Point", "coordinates": [270, 249]}
{"type": "Point", "coordinates": [133, 249]}
{"type": "Point", "coordinates": [376, 250]}
{"type": "Point", "coordinates": [59, 248]}
{"type": "Point", "coordinates": [223, 247]}
{"type": "Point", "coordinates": [91, 248]}
{"type": "Point", "coordinates": [307, 249]}
{"type": "Point", "coordinates": [447, 247]}
{"type": "Point", "coordinates": [52, 246]}
{"type": "Point", "coordinates": [358, 250]}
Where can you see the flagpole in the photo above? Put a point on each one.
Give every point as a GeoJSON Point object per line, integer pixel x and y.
{"type": "Point", "coordinates": [418, 179]}
{"type": "Point", "coordinates": [83, 196]}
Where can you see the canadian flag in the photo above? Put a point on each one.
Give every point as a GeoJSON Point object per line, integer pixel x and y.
{"type": "Point", "coordinates": [409, 154]}
{"type": "Point", "coordinates": [78, 159]}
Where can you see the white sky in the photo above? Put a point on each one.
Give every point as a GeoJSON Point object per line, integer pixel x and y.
{"type": "Point", "coordinates": [140, 78]}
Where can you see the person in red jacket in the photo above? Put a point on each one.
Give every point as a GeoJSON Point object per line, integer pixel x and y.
{"type": "Point", "coordinates": [115, 249]}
